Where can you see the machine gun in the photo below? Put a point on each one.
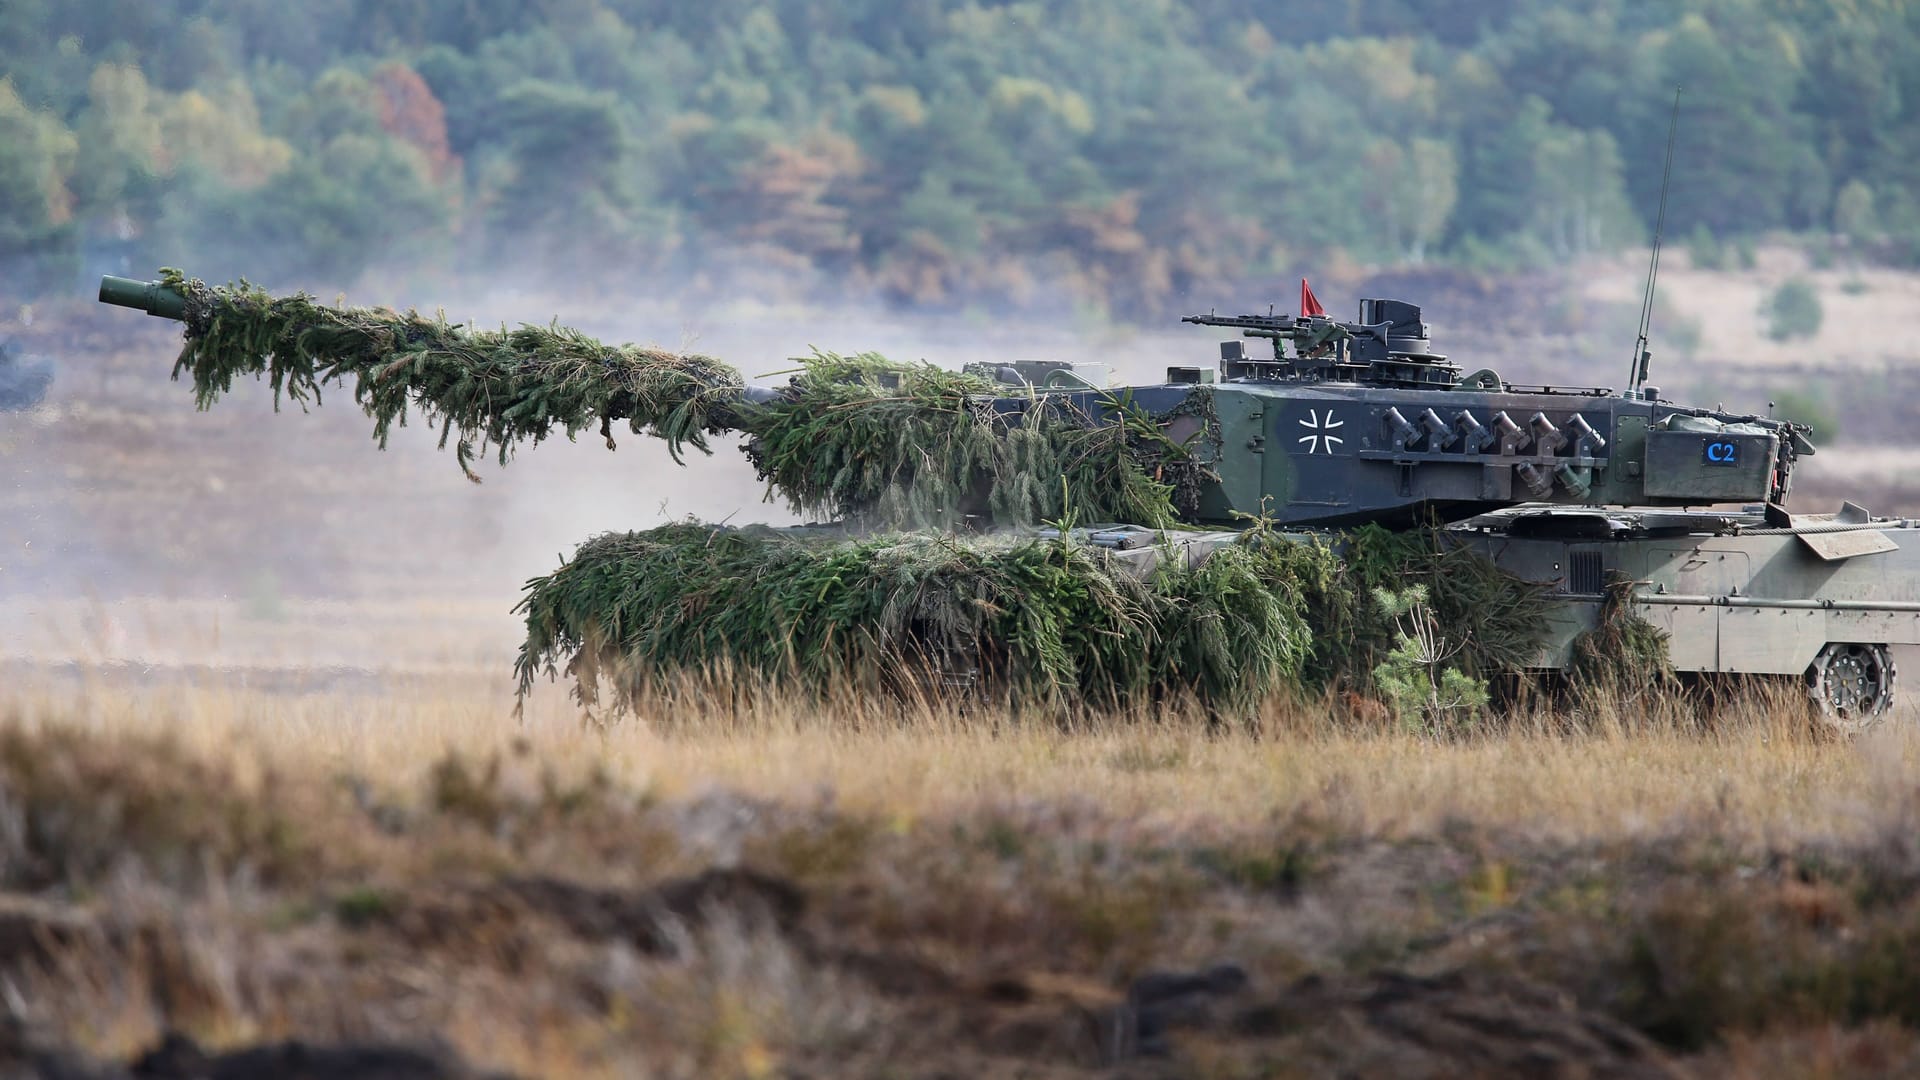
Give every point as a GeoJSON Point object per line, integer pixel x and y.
{"type": "Point", "coordinates": [1278, 327]}
{"type": "Point", "coordinates": [1387, 346]}
{"type": "Point", "coordinates": [1318, 341]}
{"type": "Point", "coordinates": [1310, 333]}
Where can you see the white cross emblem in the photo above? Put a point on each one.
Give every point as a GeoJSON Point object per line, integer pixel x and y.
{"type": "Point", "coordinates": [1321, 440]}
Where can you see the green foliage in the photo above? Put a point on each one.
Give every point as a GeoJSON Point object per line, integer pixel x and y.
{"type": "Point", "coordinates": [911, 444]}
{"type": "Point", "coordinates": [1673, 328]}
{"type": "Point", "coordinates": [490, 387]}
{"type": "Point", "coordinates": [1704, 249]}
{"type": "Point", "coordinates": [1853, 214]}
{"type": "Point", "coordinates": [850, 437]}
{"type": "Point", "coordinates": [374, 193]}
{"type": "Point", "coordinates": [1793, 310]}
{"type": "Point", "coordinates": [1806, 406]}
{"type": "Point", "coordinates": [1624, 655]}
{"type": "Point", "coordinates": [1679, 332]}
{"type": "Point", "coordinates": [1490, 617]}
{"type": "Point", "coordinates": [1749, 155]}
{"type": "Point", "coordinates": [1047, 622]}
{"type": "Point", "coordinates": [1415, 677]}
{"type": "Point", "coordinates": [364, 905]}
{"type": "Point", "coordinates": [36, 155]}
{"type": "Point", "coordinates": [1125, 154]}
{"type": "Point", "coordinates": [566, 170]}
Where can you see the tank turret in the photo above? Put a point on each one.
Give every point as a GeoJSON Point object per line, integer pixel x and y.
{"type": "Point", "coordinates": [1348, 423]}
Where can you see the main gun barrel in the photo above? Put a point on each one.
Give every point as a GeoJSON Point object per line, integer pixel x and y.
{"type": "Point", "coordinates": [151, 297]}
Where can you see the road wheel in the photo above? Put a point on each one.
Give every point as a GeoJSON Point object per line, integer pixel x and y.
{"type": "Point", "coordinates": [1852, 685]}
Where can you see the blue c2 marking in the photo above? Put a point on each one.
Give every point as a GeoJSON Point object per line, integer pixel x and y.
{"type": "Point", "coordinates": [1721, 452]}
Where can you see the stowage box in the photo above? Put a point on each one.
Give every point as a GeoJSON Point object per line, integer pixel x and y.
{"type": "Point", "coordinates": [1710, 467]}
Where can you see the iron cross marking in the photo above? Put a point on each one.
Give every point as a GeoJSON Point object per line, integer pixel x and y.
{"type": "Point", "coordinates": [1320, 438]}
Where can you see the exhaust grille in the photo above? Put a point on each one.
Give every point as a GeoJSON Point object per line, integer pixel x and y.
{"type": "Point", "coordinates": [1585, 574]}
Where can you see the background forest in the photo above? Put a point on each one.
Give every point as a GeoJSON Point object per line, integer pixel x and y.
{"type": "Point", "coordinates": [1117, 153]}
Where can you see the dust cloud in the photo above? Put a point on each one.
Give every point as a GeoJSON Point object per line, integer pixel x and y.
{"type": "Point", "coordinates": [23, 379]}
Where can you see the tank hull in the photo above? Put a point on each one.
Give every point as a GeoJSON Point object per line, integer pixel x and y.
{"type": "Point", "coordinates": [1742, 598]}
{"type": "Point", "coordinates": [1820, 599]}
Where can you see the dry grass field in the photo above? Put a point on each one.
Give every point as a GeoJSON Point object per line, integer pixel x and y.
{"type": "Point", "coordinates": [755, 887]}
{"type": "Point", "coordinates": [265, 807]}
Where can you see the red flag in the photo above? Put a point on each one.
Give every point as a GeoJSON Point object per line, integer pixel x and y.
{"type": "Point", "coordinates": [1309, 304]}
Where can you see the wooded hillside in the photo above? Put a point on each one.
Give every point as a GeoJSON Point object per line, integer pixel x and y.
{"type": "Point", "coordinates": [1117, 153]}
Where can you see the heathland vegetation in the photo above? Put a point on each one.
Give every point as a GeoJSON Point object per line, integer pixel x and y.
{"type": "Point", "coordinates": [1113, 154]}
{"type": "Point", "coordinates": [750, 888]}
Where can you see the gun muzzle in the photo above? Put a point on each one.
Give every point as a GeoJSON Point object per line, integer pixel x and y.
{"type": "Point", "coordinates": [148, 296]}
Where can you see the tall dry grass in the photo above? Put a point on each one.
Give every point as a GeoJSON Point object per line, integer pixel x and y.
{"type": "Point", "coordinates": [1556, 768]}
{"type": "Point", "coordinates": [399, 856]}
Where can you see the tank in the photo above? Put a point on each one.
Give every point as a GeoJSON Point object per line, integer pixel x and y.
{"type": "Point", "coordinates": [1589, 505]}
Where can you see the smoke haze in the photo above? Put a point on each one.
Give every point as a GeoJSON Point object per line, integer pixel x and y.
{"type": "Point", "coordinates": [23, 379]}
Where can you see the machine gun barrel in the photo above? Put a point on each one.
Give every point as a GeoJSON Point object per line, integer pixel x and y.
{"type": "Point", "coordinates": [151, 297]}
{"type": "Point", "coordinates": [1269, 326]}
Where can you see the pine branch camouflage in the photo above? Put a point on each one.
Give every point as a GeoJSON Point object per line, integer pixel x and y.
{"type": "Point", "coordinates": [1024, 618]}
{"type": "Point", "coordinates": [881, 446]}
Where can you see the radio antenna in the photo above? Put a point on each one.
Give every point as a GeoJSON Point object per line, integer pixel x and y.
{"type": "Point", "coordinates": [1637, 368]}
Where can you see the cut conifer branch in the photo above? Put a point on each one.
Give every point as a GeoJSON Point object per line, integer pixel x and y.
{"type": "Point", "coordinates": [851, 437]}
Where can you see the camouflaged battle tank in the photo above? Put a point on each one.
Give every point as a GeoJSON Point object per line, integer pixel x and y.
{"type": "Point", "coordinates": [1182, 508]}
